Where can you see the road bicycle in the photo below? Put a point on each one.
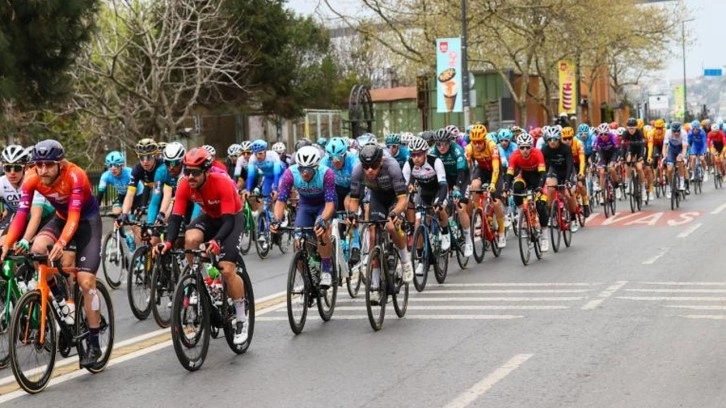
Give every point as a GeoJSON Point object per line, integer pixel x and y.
{"type": "Point", "coordinates": [484, 231]}
{"type": "Point", "coordinates": [263, 238]}
{"type": "Point", "coordinates": [114, 255]}
{"type": "Point", "coordinates": [530, 230]}
{"type": "Point", "coordinates": [559, 224]}
{"type": "Point", "coordinates": [635, 190]}
{"type": "Point", "coordinates": [15, 280]}
{"type": "Point", "coordinates": [608, 195]}
{"type": "Point", "coordinates": [342, 247]}
{"type": "Point", "coordinates": [139, 281]}
{"type": "Point", "coordinates": [426, 248]}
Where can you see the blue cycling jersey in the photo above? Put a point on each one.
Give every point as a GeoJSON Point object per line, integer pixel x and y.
{"type": "Point", "coordinates": [344, 174]}
{"type": "Point", "coordinates": [320, 189]}
{"type": "Point", "coordinates": [120, 182]}
{"type": "Point", "coordinates": [271, 168]}
{"type": "Point", "coordinates": [403, 155]}
{"type": "Point", "coordinates": [162, 178]}
{"type": "Point", "coordinates": [587, 143]}
{"type": "Point", "coordinates": [505, 153]}
{"type": "Point", "coordinates": [697, 137]}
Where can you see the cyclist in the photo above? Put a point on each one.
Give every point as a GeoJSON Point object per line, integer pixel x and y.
{"type": "Point", "coordinates": [165, 182]}
{"type": "Point", "coordinates": [219, 226]}
{"type": "Point", "coordinates": [559, 166]}
{"type": "Point", "coordinates": [147, 151]}
{"type": "Point", "coordinates": [118, 176]}
{"type": "Point", "coordinates": [483, 155]}
{"type": "Point", "coordinates": [266, 164]}
{"type": "Point", "coordinates": [655, 149]}
{"type": "Point", "coordinates": [315, 185]}
{"type": "Point", "coordinates": [240, 169]}
{"type": "Point", "coordinates": [506, 146]}
{"type": "Point", "coordinates": [428, 137]}
{"type": "Point", "coordinates": [14, 159]}
{"type": "Point", "coordinates": [607, 147]}
{"type": "Point", "coordinates": [529, 166]}
{"type": "Point", "coordinates": [578, 162]}
{"type": "Point", "coordinates": [398, 152]}
{"type": "Point", "coordinates": [675, 148]}
{"type": "Point", "coordinates": [215, 163]}
{"type": "Point", "coordinates": [635, 153]}
{"type": "Point", "coordinates": [716, 139]}
{"type": "Point", "coordinates": [454, 158]}
{"type": "Point", "coordinates": [585, 135]}
{"type": "Point", "coordinates": [77, 222]}
{"type": "Point", "coordinates": [429, 174]}
{"type": "Point", "coordinates": [388, 191]}
{"type": "Point", "coordinates": [285, 159]}
{"type": "Point", "coordinates": [697, 141]}
{"type": "Point", "coordinates": [234, 151]}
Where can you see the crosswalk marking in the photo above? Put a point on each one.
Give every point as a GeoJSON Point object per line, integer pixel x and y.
{"type": "Point", "coordinates": [683, 298]}
{"type": "Point", "coordinates": [677, 290]}
{"type": "Point", "coordinates": [502, 291]}
{"type": "Point", "coordinates": [408, 317]}
{"type": "Point", "coordinates": [466, 307]}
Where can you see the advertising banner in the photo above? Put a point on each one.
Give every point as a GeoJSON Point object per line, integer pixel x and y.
{"type": "Point", "coordinates": [568, 87]}
{"type": "Point", "coordinates": [448, 75]}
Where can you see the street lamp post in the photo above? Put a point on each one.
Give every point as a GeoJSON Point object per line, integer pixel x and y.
{"type": "Point", "coordinates": [685, 89]}
{"type": "Point", "coordinates": [464, 67]}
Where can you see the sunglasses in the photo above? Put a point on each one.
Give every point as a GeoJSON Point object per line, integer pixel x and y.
{"type": "Point", "coordinates": [115, 166]}
{"type": "Point", "coordinates": [193, 172]}
{"type": "Point", "coordinates": [246, 153]}
{"type": "Point", "coordinates": [307, 170]}
{"type": "Point", "coordinates": [525, 147]}
{"type": "Point", "coordinates": [442, 144]}
{"type": "Point", "coordinates": [45, 164]}
{"type": "Point", "coordinates": [566, 139]}
{"type": "Point", "coordinates": [479, 142]}
{"type": "Point", "coordinates": [373, 166]}
{"type": "Point", "coordinates": [172, 163]}
{"type": "Point", "coordinates": [338, 158]}
{"type": "Point", "coordinates": [147, 157]}
{"type": "Point", "coordinates": [390, 146]}
{"type": "Point", "coordinates": [418, 154]}
{"type": "Point", "coordinates": [13, 168]}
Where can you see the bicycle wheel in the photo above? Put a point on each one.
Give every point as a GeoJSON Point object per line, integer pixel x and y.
{"type": "Point", "coordinates": [112, 260]}
{"type": "Point", "coordinates": [441, 266]}
{"type": "Point", "coordinates": [716, 176]}
{"type": "Point", "coordinates": [555, 230]}
{"type": "Point", "coordinates": [190, 323]}
{"type": "Point", "coordinates": [262, 237]}
{"type": "Point", "coordinates": [353, 281]}
{"type": "Point", "coordinates": [567, 232]}
{"type": "Point", "coordinates": [535, 232]}
{"type": "Point", "coordinates": [229, 329]}
{"type": "Point", "coordinates": [631, 194]}
{"type": "Point", "coordinates": [525, 242]}
{"type": "Point", "coordinates": [400, 289]}
{"type": "Point", "coordinates": [248, 234]}
{"type": "Point", "coordinates": [162, 291]}
{"type": "Point", "coordinates": [106, 327]}
{"type": "Point", "coordinates": [326, 297]}
{"type": "Point", "coordinates": [462, 260]}
{"type": "Point", "coordinates": [674, 192]}
{"type": "Point", "coordinates": [31, 360]}
{"type": "Point", "coordinates": [376, 288]}
{"type": "Point", "coordinates": [284, 241]}
{"type": "Point", "coordinates": [6, 310]}
{"type": "Point", "coordinates": [298, 292]}
{"type": "Point", "coordinates": [420, 257]}
{"type": "Point", "coordinates": [138, 283]}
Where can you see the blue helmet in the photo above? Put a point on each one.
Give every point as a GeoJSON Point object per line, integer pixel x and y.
{"type": "Point", "coordinates": [583, 128]}
{"type": "Point", "coordinates": [366, 138]}
{"type": "Point", "coordinates": [504, 134]}
{"type": "Point", "coordinates": [258, 146]}
{"type": "Point", "coordinates": [695, 124]}
{"type": "Point", "coordinates": [115, 158]}
{"type": "Point", "coordinates": [337, 147]}
{"type": "Point", "coordinates": [322, 142]}
{"type": "Point", "coordinates": [393, 139]}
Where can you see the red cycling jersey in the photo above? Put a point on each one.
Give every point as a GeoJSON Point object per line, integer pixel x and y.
{"type": "Point", "coordinates": [535, 162]}
{"type": "Point", "coordinates": [70, 194]}
{"type": "Point", "coordinates": [219, 165]}
{"type": "Point", "coordinates": [218, 196]}
{"type": "Point", "coordinates": [716, 137]}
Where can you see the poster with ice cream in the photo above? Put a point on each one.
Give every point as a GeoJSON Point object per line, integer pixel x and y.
{"type": "Point", "coordinates": [568, 85]}
{"type": "Point", "coordinates": [448, 75]}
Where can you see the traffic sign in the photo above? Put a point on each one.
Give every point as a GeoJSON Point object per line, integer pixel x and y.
{"type": "Point", "coordinates": [715, 72]}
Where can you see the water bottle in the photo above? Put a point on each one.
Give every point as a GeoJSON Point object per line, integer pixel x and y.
{"type": "Point", "coordinates": [64, 309]}
{"type": "Point", "coordinates": [212, 271]}
{"type": "Point", "coordinates": [22, 287]}
{"type": "Point", "coordinates": [8, 267]}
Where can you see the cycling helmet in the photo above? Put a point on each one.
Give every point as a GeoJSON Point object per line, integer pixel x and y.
{"type": "Point", "coordinates": [210, 149]}
{"type": "Point", "coordinates": [198, 157]}
{"type": "Point", "coordinates": [568, 132]}
{"type": "Point", "coordinates": [536, 132]}
{"type": "Point", "coordinates": [676, 126]}
{"type": "Point", "coordinates": [393, 139]}
{"type": "Point", "coordinates": [441, 135]}
{"type": "Point", "coordinates": [146, 146]}
{"type": "Point", "coordinates": [234, 150]}
{"type": "Point", "coordinates": [366, 138]}
{"type": "Point", "coordinates": [620, 131]}
{"type": "Point", "coordinates": [17, 154]}
{"type": "Point", "coordinates": [278, 148]}
{"type": "Point", "coordinates": [715, 128]}
{"type": "Point", "coordinates": [552, 133]}
{"type": "Point", "coordinates": [112, 158]}
{"type": "Point", "coordinates": [246, 146]}
{"type": "Point", "coordinates": [504, 134]}
{"type": "Point", "coordinates": [370, 154]}
{"type": "Point", "coordinates": [614, 125]}
{"type": "Point", "coordinates": [322, 142]}
{"type": "Point", "coordinates": [406, 138]}
{"type": "Point", "coordinates": [336, 147]}
{"type": "Point", "coordinates": [632, 122]}
{"type": "Point", "coordinates": [647, 128]}
{"type": "Point", "coordinates": [418, 145]}
{"type": "Point", "coordinates": [659, 124]}
{"type": "Point", "coordinates": [640, 123]}
{"type": "Point", "coordinates": [308, 156]}
{"type": "Point", "coordinates": [427, 135]}
{"type": "Point", "coordinates": [162, 145]}
{"type": "Point", "coordinates": [583, 128]}
{"type": "Point", "coordinates": [453, 130]}
{"type": "Point", "coordinates": [516, 130]}
{"type": "Point", "coordinates": [353, 144]}
{"type": "Point", "coordinates": [478, 133]}
{"type": "Point", "coordinates": [302, 143]}
{"type": "Point", "coordinates": [525, 139]}
{"type": "Point", "coordinates": [603, 128]}
{"type": "Point", "coordinates": [48, 150]}
{"type": "Point", "coordinates": [695, 124]}
{"type": "Point", "coordinates": [258, 146]}
{"type": "Point", "coordinates": [174, 151]}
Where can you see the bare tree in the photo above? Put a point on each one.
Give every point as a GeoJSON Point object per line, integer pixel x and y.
{"type": "Point", "coordinates": [151, 63]}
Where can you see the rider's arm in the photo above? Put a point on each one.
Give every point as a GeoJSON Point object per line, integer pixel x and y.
{"type": "Point", "coordinates": [285, 188]}
{"type": "Point", "coordinates": [101, 187]}
{"type": "Point", "coordinates": [650, 145]}
{"type": "Point", "coordinates": [406, 170]}
{"type": "Point", "coordinates": [21, 215]}
{"type": "Point", "coordinates": [541, 168]}
{"type": "Point", "coordinates": [251, 173]}
{"type": "Point", "coordinates": [569, 163]}
{"type": "Point", "coordinates": [177, 213]}
{"type": "Point", "coordinates": [496, 164]}
{"type": "Point", "coordinates": [131, 191]}
{"type": "Point", "coordinates": [330, 195]}
{"type": "Point", "coordinates": [36, 215]}
{"type": "Point", "coordinates": [155, 203]}
{"type": "Point", "coordinates": [443, 190]}
{"type": "Point", "coordinates": [166, 197]}
{"type": "Point", "coordinates": [581, 156]}
{"type": "Point", "coordinates": [277, 172]}
{"type": "Point", "coordinates": [684, 145]}
{"type": "Point", "coordinates": [227, 197]}
{"type": "Point", "coordinates": [399, 186]}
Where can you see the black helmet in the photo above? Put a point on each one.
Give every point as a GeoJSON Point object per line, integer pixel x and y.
{"type": "Point", "coordinates": [48, 150]}
{"type": "Point", "coordinates": [370, 154]}
{"type": "Point", "coordinates": [632, 122]}
{"type": "Point", "coordinates": [302, 143]}
{"type": "Point", "coordinates": [426, 135]}
{"type": "Point", "coordinates": [676, 126]}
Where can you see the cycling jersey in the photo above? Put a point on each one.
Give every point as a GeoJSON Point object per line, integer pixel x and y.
{"type": "Point", "coordinates": [716, 140]}
{"type": "Point", "coordinates": [161, 179]}
{"type": "Point", "coordinates": [320, 189]}
{"type": "Point", "coordinates": [676, 140]}
{"type": "Point", "coordinates": [139, 175]}
{"type": "Point", "coordinates": [9, 195]}
{"type": "Point", "coordinates": [344, 174]}
{"type": "Point", "coordinates": [402, 156]}
{"type": "Point", "coordinates": [530, 169]}
{"type": "Point", "coordinates": [271, 168]}
{"type": "Point", "coordinates": [70, 195]}
{"type": "Point", "coordinates": [505, 154]}
{"type": "Point", "coordinates": [241, 165]}
{"type": "Point", "coordinates": [455, 164]}
{"type": "Point", "coordinates": [230, 167]}
{"type": "Point", "coordinates": [120, 183]}
{"type": "Point", "coordinates": [40, 201]}
{"type": "Point", "coordinates": [431, 177]}
{"type": "Point", "coordinates": [578, 155]}
{"type": "Point", "coordinates": [656, 137]}
{"type": "Point", "coordinates": [389, 180]}
{"type": "Point", "coordinates": [558, 161]}
{"type": "Point", "coordinates": [697, 141]}
{"type": "Point", "coordinates": [219, 165]}
{"type": "Point", "coordinates": [608, 144]}
{"type": "Point", "coordinates": [487, 158]}
{"type": "Point", "coordinates": [587, 141]}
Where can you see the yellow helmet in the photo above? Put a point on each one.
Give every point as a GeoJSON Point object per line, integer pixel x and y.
{"type": "Point", "coordinates": [659, 124]}
{"type": "Point", "coordinates": [478, 133]}
{"type": "Point", "coordinates": [146, 146]}
{"type": "Point", "coordinates": [568, 132]}
{"type": "Point", "coordinates": [641, 123]}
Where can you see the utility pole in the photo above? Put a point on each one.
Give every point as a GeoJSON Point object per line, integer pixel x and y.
{"type": "Point", "coordinates": [464, 67]}
{"type": "Point", "coordinates": [685, 89]}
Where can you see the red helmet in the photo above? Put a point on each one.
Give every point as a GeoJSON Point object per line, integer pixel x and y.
{"type": "Point", "coordinates": [614, 125]}
{"type": "Point", "coordinates": [536, 132]}
{"type": "Point", "coordinates": [198, 157]}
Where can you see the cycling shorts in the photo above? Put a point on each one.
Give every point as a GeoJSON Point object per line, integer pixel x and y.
{"type": "Point", "coordinates": [307, 214]}
{"type": "Point", "coordinates": [342, 193]}
{"type": "Point", "coordinates": [230, 246]}
{"type": "Point", "coordinates": [86, 240]}
{"type": "Point", "coordinates": [381, 204]}
{"type": "Point", "coordinates": [606, 157]}
{"type": "Point", "coordinates": [673, 153]}
{"type": "Point", "coordinates": [697, 149]}
{"type": "Point", "coordinates": [485, 176]}
{"type": "Point", "coordinates": [561, 176]}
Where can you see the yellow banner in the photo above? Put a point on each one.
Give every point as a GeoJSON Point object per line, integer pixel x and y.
{"type": "Point", "coordinates": [568, 87]}
{"type": "Point", "coordinates": [678, 97]}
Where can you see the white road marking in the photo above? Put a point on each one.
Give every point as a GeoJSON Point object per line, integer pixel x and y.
{"type": "Point", "coordinates": [499, 284]}
{"type": "Point", "coordinates": [686, 283]}
{"type": "Point", "coordinates": [682, 298]}
{"type": "Point", "coordinates": [407, 317]}
{"type": "Point", "coordinates": [500, 291]}
{"type": "Point", "coordinates": [604, 295]}
{"type": "Point", "coordinates": [652, 260]}
{"type": "Point", "coordinates": [466, 307]}
{"type": "Point", "coordinates": [719, 209]}
{"type": "Point", "coordinates": [417, 299]}
{"type": "Point", "coordinates": [477, 390]}
{"type": "Point", "coordinates": [677, 290]}
{"type": "Point", "coordinates": [695, 307]}
{"type": "Point", "coordinates": [689, 231]}
{"type": "Point", "coordinates": [710, 317]}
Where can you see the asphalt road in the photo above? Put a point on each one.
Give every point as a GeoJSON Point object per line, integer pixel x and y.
{"type": "Point", "coordinates": [632, 315]}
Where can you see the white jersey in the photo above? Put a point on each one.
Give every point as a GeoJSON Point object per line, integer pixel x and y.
{"type": "Point", "coordinates": [9, 195]}
{"type": "Point", "coordinates": [241, 164]}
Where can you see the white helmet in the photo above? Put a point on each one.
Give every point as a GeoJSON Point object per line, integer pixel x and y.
{"type": "Point", "coordinates": [621, 131]}
{"type": "Point", "coordinates": [417, 144]}
{"type": "Point", "coordinates": [15, 154]}
{"type": "Point", "coordinates": [211, 150]}
{"type": "Point", "coordinates": [603, 128]}
{"type": "Point", "coordinates": [308, 156]}
{"type": "Point", "coordinates": [278, 148]}
{"type": "Point", "coordinates": [525, 139]}
{"type": "Point", "coordinates": [234, 150]}
{"type": "Point", "coordinates": [715, 128]}
{"type": "Point", "coordinates": [174, 151]}
{"type": "Point", "coordinates": [246, 146]}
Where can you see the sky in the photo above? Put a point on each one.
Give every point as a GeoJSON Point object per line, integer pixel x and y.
{"type": "Point", "coordinates": [705, 50]}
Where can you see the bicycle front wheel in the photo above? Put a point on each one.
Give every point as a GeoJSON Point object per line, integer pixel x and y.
{"type": "Point", "coordinates": [297, 292]}
{"type": "Point", "coordinates": [138, 283]}
{"type": "Point", "coordinates": [7, 305]}
{"type": "Point", "coordinates": [190, 323]}
{"type": "Point", "coordinates": [162, 291]}
{"type": "Point", "coordinates": [400, 289]}
{"type": "Point", "coordinates": [420, 258]}
{"type": "Point", "coordinates": [376, 293]}
{"type": "Point", "coordinates": [326, 297]}
{"type": "Point", "coordinates": [525, 242]}
{"type": "Point", "coordinates": [262, 237]}
{"type": "Point", "coordinates": [229, 330]}
{"type": "Point", "coordinates": [555, 229]}
{"type": "Point", "coordinates": [112, 260]}
{"type": "Point", "coordinates": [32, 360]}
{"type": "Point", "coordinates": [106, 328]}
{"type": "Point", "coordinates": [248, 234]}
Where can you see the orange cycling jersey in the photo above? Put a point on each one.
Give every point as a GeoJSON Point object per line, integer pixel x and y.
{"type": "Point", "coordinates": [487, 159]}
{"type": "Point", "coordinates": [578, 155]}
{"type": "Point", "coordinates": [70, 194]}
{"type": "Point", "coordinates": [656, 136]}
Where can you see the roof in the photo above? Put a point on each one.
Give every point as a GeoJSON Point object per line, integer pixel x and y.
{"type": "Point", "coordinates": [393, 94]}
